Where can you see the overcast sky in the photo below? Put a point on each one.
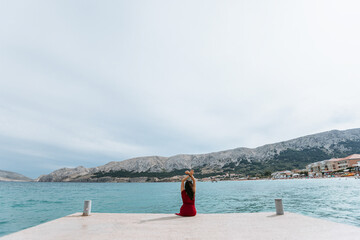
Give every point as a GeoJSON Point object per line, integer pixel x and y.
{"type": "Point", "coordinates": [88, 82]}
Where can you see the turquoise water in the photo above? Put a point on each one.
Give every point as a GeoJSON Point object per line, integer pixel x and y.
{"type": "Point", "coordinates": [23, 205]}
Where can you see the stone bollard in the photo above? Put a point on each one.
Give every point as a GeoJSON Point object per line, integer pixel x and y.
{"type": "Point", "coordinates": [279, 207]}
{"type": "Point", "coordinates": [87, 208]}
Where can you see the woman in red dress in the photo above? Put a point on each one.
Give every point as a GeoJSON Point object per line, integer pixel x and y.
{"type": "Point", "coordinates": [188, 196]}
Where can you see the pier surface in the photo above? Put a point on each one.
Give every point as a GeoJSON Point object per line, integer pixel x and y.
{"type": "Point", "coordinates": [104, 226]}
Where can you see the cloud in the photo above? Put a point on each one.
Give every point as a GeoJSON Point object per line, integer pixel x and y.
{"type": "Point", "coordinates": [83, 83]}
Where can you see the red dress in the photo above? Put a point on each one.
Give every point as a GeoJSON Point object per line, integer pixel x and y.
{"type": "Point", "coordinates": [188, 207]}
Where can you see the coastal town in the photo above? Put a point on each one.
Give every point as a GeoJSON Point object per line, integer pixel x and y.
{"type": "Point", "coordinates": [336, 167]}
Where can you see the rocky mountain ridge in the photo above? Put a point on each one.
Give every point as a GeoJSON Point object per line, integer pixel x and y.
{"type": "Point", "coordinates": [306, 149]}
{"type": "Point", "coordinates": [6, 176]}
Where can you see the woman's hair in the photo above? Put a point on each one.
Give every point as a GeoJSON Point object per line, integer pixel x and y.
{"type": "Point", "coordinates": [189, 189]}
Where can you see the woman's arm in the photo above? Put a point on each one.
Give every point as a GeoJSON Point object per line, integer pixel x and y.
{"type": "Point", "coordinates": [193, 180]}
{"type": "Point", "coordinates": [182, 182]}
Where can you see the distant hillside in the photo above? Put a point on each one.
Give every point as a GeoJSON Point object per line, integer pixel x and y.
{"type": "Point", "coordinates": [6, 176]}
{"type": "Point", "coordinates": [295, 153]}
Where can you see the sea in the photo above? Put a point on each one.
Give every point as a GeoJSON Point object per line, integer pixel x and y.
{"type": "Point", "coordinates": [27, 204]}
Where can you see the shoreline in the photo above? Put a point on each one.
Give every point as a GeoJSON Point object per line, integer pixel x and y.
{"type": "Point", "coordinates": [199, 180]}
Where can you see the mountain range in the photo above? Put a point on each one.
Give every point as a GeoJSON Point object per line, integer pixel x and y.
{"type": "Point", "coordinates": [6, 176]}
{"type": "Point", "coordinates": [260, 161]}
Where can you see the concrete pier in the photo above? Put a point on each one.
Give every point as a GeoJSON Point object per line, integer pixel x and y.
{"type": "Point", "coordinates": [259, 226]}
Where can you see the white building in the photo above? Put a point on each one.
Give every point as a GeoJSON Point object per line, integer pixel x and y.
{"type": "Point", "coordinates": [281, 175]}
